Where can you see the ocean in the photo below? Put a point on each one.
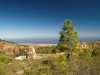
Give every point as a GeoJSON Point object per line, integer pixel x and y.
{"type": "Point", "coordinates": [46, 40]}
{"type": "Point", "coordinates": [35, 40]}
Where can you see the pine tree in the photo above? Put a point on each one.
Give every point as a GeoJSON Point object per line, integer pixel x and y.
{"type": "Point", "coordinates": [68, 38]}
{"type": "Point", "coordinates": [68, 42]}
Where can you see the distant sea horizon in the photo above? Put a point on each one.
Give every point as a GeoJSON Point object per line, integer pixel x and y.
{"type": "Point", "coordinates": [46, 40]}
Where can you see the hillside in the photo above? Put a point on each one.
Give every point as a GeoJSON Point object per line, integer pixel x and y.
{"type": "Point", "coordinates": [11, 47]}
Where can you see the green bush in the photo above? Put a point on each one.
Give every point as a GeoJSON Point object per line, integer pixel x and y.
{"type": "Point", "coordinates": [45, 50]}
{"type": "Point", "coordinates": [96, 52]}
{"type": "Point", "coordinates": [5, 58]}
{"type": "Point", "coordinates": [86, 52]}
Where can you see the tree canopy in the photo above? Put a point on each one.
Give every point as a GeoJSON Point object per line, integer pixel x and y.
{"type": "Point", "coordinates": [68, 37]}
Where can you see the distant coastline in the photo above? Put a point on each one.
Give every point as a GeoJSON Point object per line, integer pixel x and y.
{"type": "Point", "coordinates": [47, 40]}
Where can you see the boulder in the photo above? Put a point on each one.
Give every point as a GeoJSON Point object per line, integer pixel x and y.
{"type": "Point", "coordinates": [31, 54]}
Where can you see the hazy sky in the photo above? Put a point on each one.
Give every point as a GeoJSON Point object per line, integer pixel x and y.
{"type": "Point", "coordinates": [45, 18]}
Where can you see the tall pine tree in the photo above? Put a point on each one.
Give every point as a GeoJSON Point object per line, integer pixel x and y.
{"type": "Point", "coordinates": [68, 38]}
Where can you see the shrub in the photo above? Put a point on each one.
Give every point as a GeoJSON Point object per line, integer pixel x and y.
{"type": "Point", "coordinates": [45, 50]}
{"type": "Point", "coordinates": [5, 58]}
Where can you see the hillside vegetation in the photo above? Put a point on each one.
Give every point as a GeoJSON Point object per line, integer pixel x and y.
{"type": "Point", "coordinates": [69, 57]}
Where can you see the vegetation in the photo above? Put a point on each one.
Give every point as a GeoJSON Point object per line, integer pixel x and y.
{"type": "Point", "coordinates": [68, 38]}
{"type": "Point", "coordinates": [6, 41]}
{"type": "Point", "coordinates": [55, 64]}
{"type": "Point", "coordinates": [45, 50]}
{"type": "Point", "coordinates": [23, 50]}
{"type": "Point", "coordinates": [71, 61]}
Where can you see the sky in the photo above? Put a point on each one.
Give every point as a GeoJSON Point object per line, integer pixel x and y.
{"type": "Point", "coordinates": [45, 18]}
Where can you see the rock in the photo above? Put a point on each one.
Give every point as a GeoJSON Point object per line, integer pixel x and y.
{"type": "Point", "coordinates": [20, 58]}
{"type": "Point", "coordinates": [31, 53]}
{"type": "Point", "coordinates": [82, 45]}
